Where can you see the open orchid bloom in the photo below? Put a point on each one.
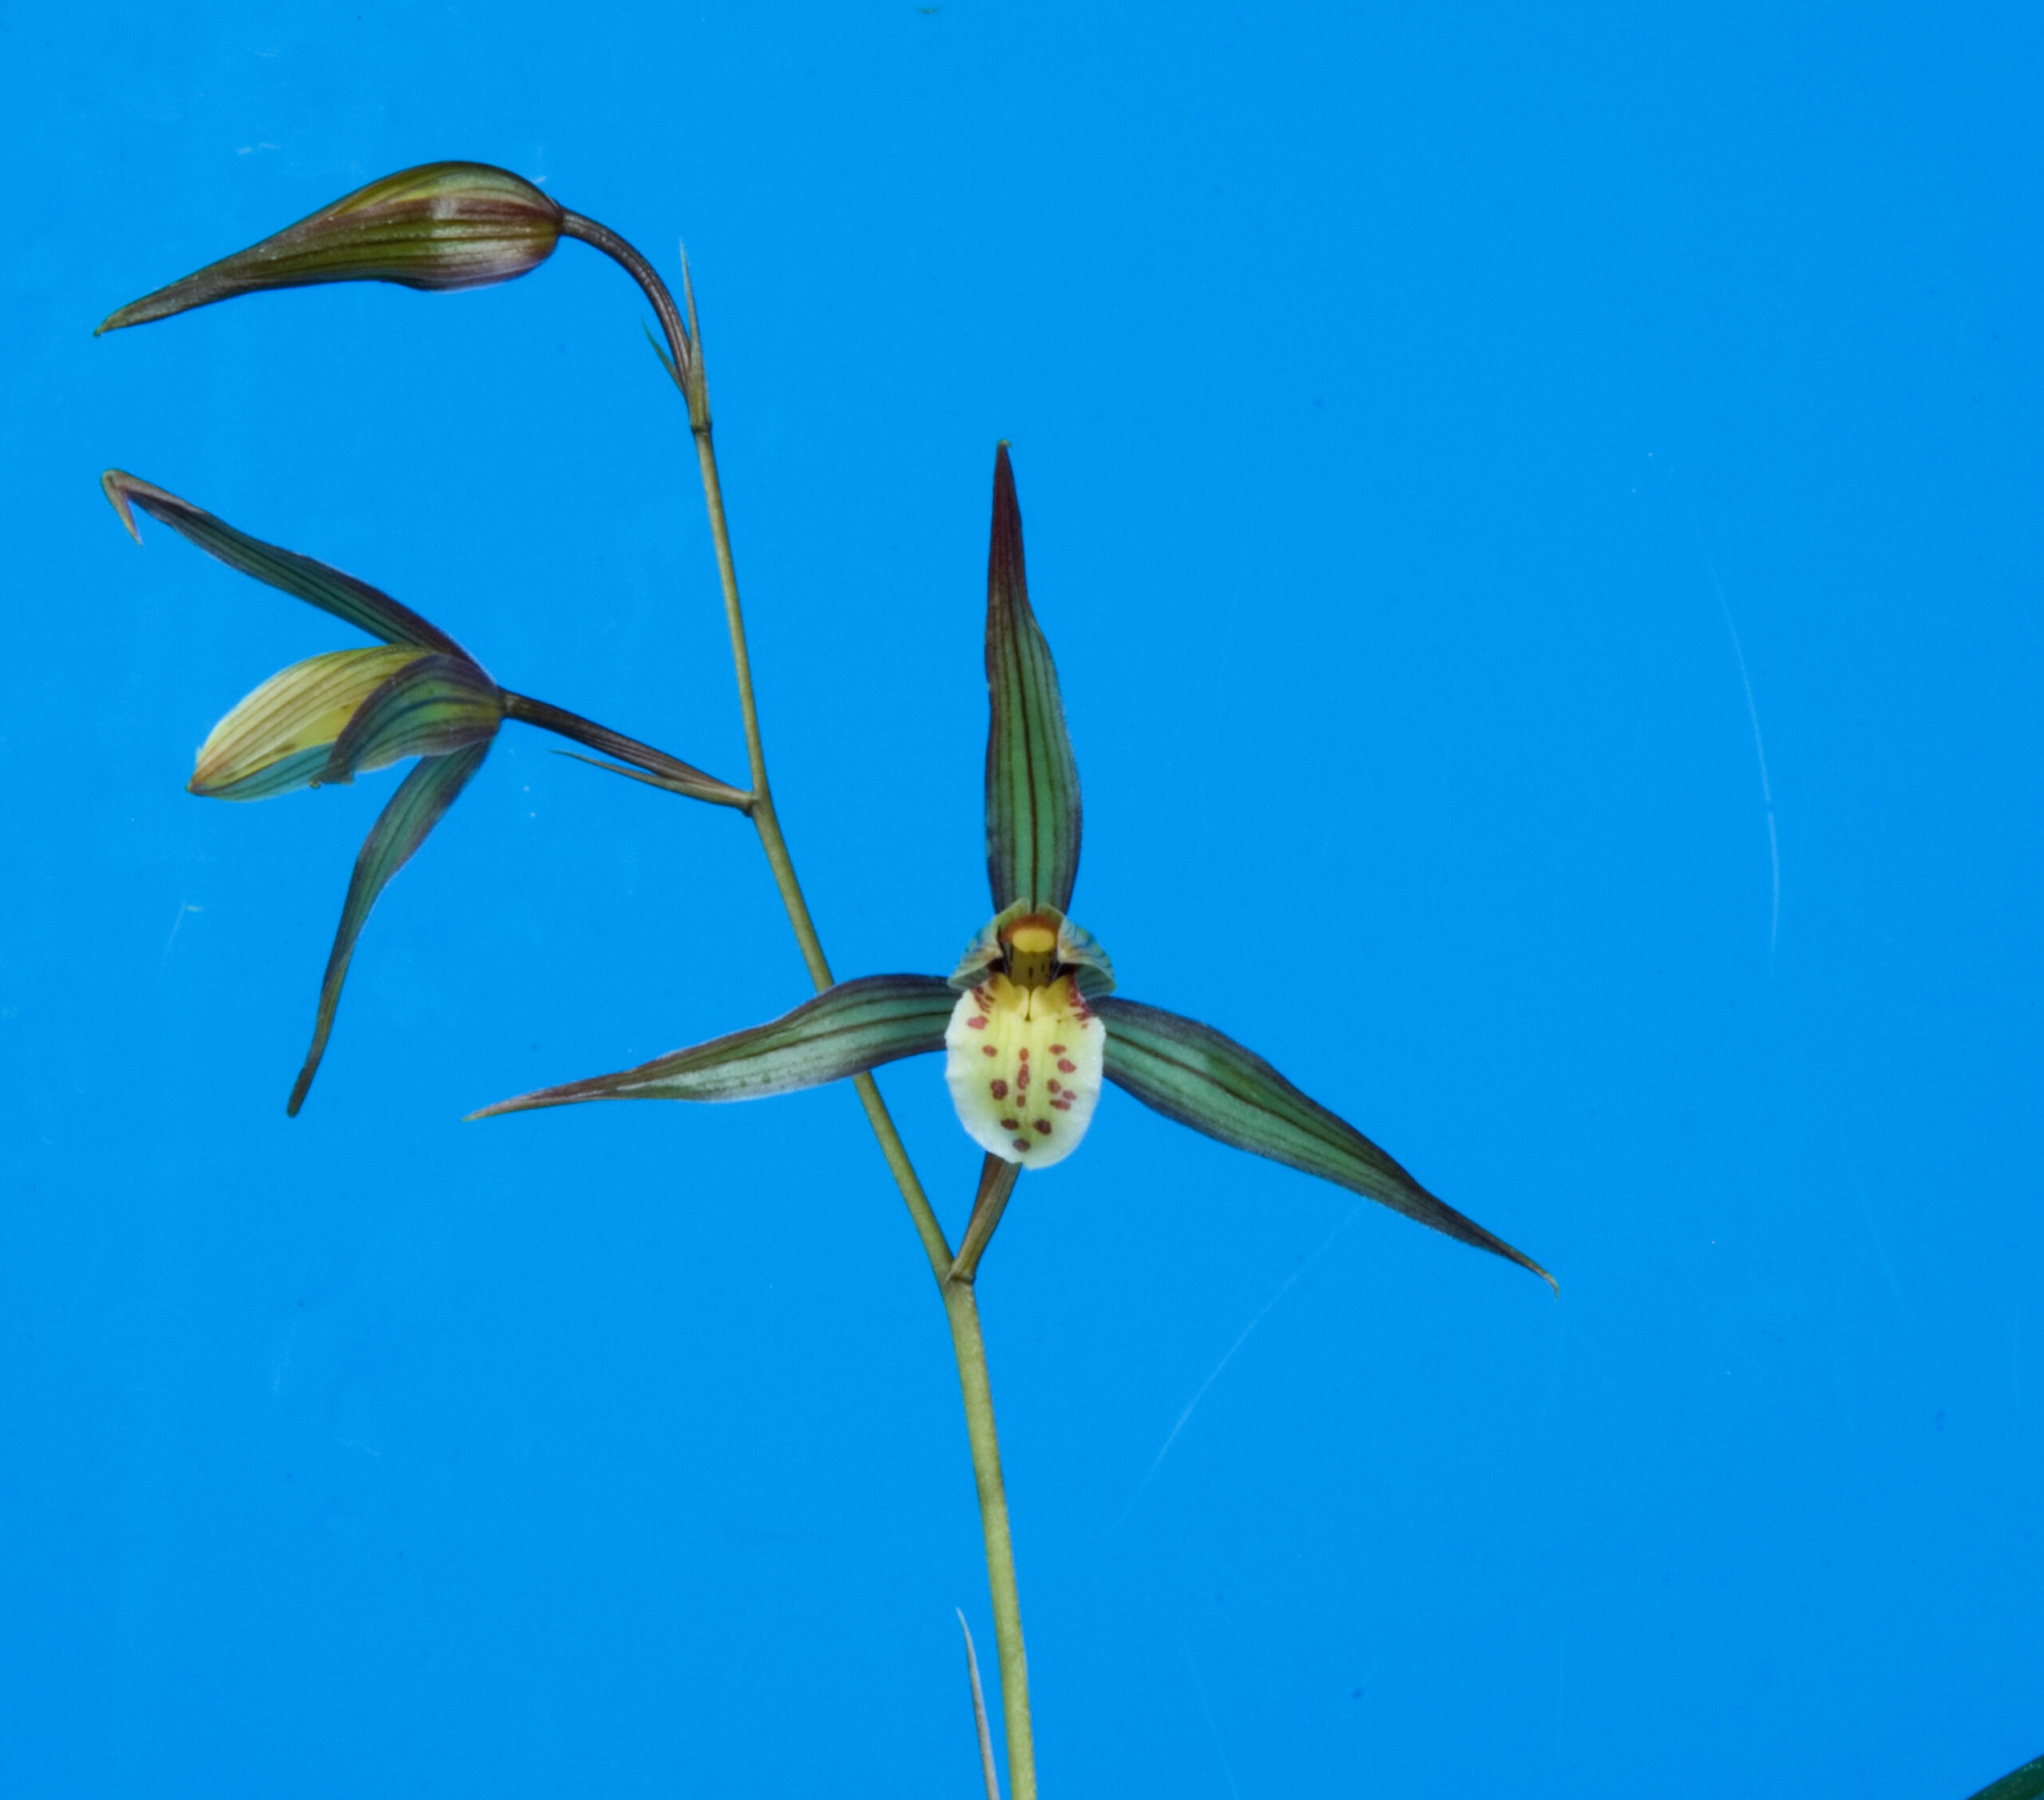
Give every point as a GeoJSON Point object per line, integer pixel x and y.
{"type": "Point", "coordinates": [332, 717]}
{"type": "Point", "coordinates": [1028, 1021]}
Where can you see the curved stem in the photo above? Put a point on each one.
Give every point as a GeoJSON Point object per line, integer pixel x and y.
{"type": "Point", "coordinates": [603, 238]}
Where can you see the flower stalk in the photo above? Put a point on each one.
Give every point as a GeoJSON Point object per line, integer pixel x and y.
{"type": "Point", "coordinates": [954, 1274]}
{"type": "Point", "coordinates": [961, 1309]}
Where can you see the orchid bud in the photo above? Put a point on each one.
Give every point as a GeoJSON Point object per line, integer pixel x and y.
{"type": "Point", "coordinates": [441, 225]}
{"type": "Point", "coordinates": [331, 716]}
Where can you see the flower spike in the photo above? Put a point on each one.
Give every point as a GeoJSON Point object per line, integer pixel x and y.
{"type": "Point", "coordinates": [441, 226]}
{"type": "Point", "coordinates": [1032, 778]}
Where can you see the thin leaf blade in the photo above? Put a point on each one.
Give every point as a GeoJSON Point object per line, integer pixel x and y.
{"type": "Point", "coordinates": [844, 1031]}
{"type": "Point", "coordinates": [1200, 1078]}
{"type": "Point", "coordinates": [421, 799]}
{"type": "Point", "coordinates": [1033, 777]}
{"type": "Point", "coordinates": [432, 705]}
{"type": "Point", "coordinates": [366, 607]}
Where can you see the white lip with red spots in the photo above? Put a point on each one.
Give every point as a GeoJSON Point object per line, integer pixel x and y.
{"type": "Point", "coordinates": [1024, 1064]}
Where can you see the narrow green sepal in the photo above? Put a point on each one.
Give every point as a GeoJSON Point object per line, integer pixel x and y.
{"type": "Point", "coordinates": [1193, 1073]}
{"type": "Point", "coordinates": [844, 1031]}
{"type": "Point", "coordinates": [1032, 779]}
{"type": "Point", "coordinates": [432, 705]}
{"type": "Point", "coordinates": [361, 605]}
{"type": "Point", "coordinates": [423, 797]}
{"type": "Point", "coordinates": [441, 226]}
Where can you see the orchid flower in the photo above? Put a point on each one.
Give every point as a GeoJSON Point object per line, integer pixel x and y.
{"type": "Point", "coordinates": [1028, 1020]}
{"type": "Point", "coordinates": [332, 717]}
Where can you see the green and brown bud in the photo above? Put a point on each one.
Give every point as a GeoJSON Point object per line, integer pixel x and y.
{"type": "Point", "coordinates": [440, 227]}
{"type": "Point", "coordinates": [331, 717]}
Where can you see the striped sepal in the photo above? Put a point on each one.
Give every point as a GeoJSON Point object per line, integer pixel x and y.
{"type": "Point", "coordinates": [1191, 1073]}
{"type": "Point", "coordinates": [328, 589]}
{"type": "Point", "coordinates": [844, 1031]}
{"type": "Point", "coordinates": [432, 705]}
{"type": "Point", "coordinates": [415, 808]}
{"type": "Point", "coordinates": [1032, 781]}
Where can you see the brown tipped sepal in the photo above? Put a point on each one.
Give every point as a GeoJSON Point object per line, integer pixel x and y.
{"type": "Point", "coordinates": [439, 227]}
{"type": "Point", "coordinates": [1032, 779]}
{"type": "Point", "coordinates": [1193, 1073]}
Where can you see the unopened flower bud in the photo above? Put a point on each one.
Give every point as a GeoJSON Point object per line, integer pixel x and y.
{"type": "Point", "coordinates": [440, 226]}
{"type": "Point", "coordinates": [331, 716]}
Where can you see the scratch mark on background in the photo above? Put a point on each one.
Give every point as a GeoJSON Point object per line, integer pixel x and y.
{"type": "Point", "coordinates": [1753, 715]}
{"type": "Point", "coordinates": [1760, 749]}
{"type": "Point", "coordinates": [1214, 1375]}
{"type": "Point", "coordinates": [177, 924]}
{"type": "Point", "coordinates": [1213, 1731]}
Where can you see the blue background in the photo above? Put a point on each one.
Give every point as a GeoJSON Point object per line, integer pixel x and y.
{"type": "Point", "coordinates": [1453, 443]}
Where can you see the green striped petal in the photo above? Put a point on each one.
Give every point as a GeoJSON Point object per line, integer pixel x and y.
{"type": "Point", "coordinates": [1191, 1072]}
{"type": "Point", "coordinates": [440, 226]}
{"type": "Point", "coordinates": [1032, 781]}
{"type": "Point", "coordinates": [844, 1031]}
{"type": "Point", "coordinates": [415, 808]}
{"type": "Point", "coordinates": [282, 735]}
{"type": "Point", "coordinates": [432, 705]}
{"type": "Point", "coordinates": [328, 589]}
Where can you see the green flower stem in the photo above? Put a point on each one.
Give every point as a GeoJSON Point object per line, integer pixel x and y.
{"type": "Point", "coordinates": [767, 823]}
{"type": "Point", "coordinates": [963, 1310]}
{"type": "Point", "coordinates": [685, 363]}
{"type": "Point", "coordinates": [959, 1303]}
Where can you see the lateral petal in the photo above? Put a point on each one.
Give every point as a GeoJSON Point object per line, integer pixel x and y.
{"type": "Point", "coordinates": [415, 808]}
{"type": "Point", "coordinates": [431, 706]}
{"type": "Point", "coordinates": [1193, 1073]}
{"type": "Point", "coordinates": [844, 1031]}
